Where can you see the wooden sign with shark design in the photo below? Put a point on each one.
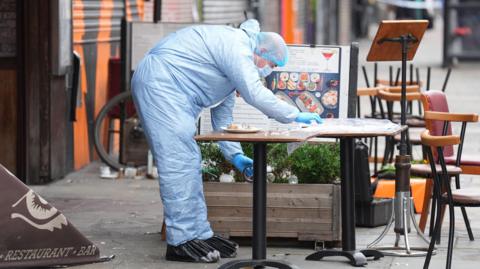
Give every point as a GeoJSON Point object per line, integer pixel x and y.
{"type": "Point", "coordinates": [34, 233]}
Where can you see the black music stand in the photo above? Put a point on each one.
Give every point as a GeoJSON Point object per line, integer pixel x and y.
{"type": "Point", "coordinates": [398, 40]}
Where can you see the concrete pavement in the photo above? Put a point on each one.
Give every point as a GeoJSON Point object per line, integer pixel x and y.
{"type": "Point", "coordinates": [123, 217]}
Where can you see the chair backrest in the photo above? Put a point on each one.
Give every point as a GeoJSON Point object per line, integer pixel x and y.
{"type": "Point", "coordinates": [440, 178]}
{"type": "Point", "coordinates": [398, 89]}
{"type": "Point", "coordinates": [390, 97]}
{"type": "Point", "coordinates": [437, 101]}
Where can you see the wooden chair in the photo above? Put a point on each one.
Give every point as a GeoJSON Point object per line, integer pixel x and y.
{"type": "Point", "coordinates": [437, 101]}
{"type": "Point", "coordinates": [390, 96]}
{"type": "Point", "coordinates": [413, 121]}
{"type": "Point", "coordinates": [370, 92]}
{"type": "Point", "coordinates": [438, 121]}
{"type": "Point", "coordinates": [391, 82]}
{"type": "Point", "coordinates": [442, 191]}
{"type": "Point", "coordinates": [382, 113]}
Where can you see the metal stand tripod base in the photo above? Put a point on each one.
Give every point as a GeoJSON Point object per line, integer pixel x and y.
{"type": "Point", "coordinates": [401, 251]}
{"type": "Point", "coordinates": [237, 264]}
{"type": "Point", "coordinates": [405, 251]}
{"type": "Point", "coordinates": [356, 257]}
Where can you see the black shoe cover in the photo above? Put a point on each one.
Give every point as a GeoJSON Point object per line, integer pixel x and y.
{"type": "Point", "coordinates": [192, 251]}
{"type": "Point", "coordinates": [227, 248]}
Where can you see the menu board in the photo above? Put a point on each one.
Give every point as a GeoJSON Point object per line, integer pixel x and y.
{"type": "Point", "coordinates": [310, 80]}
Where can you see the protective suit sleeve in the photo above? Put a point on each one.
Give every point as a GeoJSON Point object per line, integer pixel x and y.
{"type": "Point", "coordinates": [222, 117]}
{"type": "Point", "coordinates": [236, 61]}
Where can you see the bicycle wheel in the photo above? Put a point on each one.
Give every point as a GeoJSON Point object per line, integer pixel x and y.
{"type": "Point", "coordinates": [117, 131]}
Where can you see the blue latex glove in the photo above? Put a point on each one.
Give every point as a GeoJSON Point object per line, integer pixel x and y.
{"type": "Point", "coordinates": [242, 162]}
{"type": "Point", "coordinates": [306, 117]}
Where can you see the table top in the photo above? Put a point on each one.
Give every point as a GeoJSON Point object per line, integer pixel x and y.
{"type": "Point", "coordinates": [335, 128]}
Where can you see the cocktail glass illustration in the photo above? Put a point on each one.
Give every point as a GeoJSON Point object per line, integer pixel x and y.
{"type": "Point", "coordinates": [328, 53]}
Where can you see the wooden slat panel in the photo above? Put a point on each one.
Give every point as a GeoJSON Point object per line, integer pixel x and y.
{"type": "Point", "coordinates": [301, 236]}
{"type": "Point", "coordinates": [243, 199]}
{"type": "Point", "coordinates": [277, 225]}
{"type": "Point", "coordinates": [279, 212]}
{"type": "Point", "coordinates": [302, 211]}
{"type": "Point", "coordinates": [272, 188]}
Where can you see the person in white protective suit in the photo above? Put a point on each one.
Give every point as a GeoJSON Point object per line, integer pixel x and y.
{"type": "Point", "coordinates": [191, 69]}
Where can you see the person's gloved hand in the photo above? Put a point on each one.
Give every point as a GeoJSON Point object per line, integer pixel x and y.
{"type": "Point", "coordinates": [306, 117]}
{"type": "Point", "coordinates": [241, 162]}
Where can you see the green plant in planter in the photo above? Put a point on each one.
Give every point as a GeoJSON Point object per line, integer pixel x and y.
{"type": "Point", "coordinates": [214, 163]}
{"type": "Point", "coordinates": [278, 159]}
{"type": "Point", "coordinates": [387, 172]}
{"type": "Point", "coordinates": [316, 163]}
{"type": "Point", "coordinates": [310, 163]}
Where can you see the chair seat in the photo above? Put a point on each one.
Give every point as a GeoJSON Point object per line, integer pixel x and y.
{"type": "Point", "coordinates": [375, 116]}
{"type": "Point", "coordinates": [414, 140]}
{"type": "Point", "coordinates": [414, 136]}
{"type": "Point", "coordinates": [424, 170]}
{"type": "Point", "coordinates": [412, 122]}
{"type": "Point", "coordinates": [467, 196]}
{"type": "Point", "coordinates": [466, 160]}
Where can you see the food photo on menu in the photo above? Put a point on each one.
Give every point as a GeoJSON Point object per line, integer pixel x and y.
{"type": "Point", "coordinates": [308, 91]}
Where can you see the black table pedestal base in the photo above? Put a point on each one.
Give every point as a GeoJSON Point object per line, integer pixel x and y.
{"type": "Point", "coordinates": [237, 264]}
{"type": "Point", "coordinates": [356, 257]}
{"type": "Point", "coordinates": [259, 217]}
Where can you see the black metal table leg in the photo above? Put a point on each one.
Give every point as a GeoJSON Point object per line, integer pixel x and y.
{"type": "Point", "coordinates": [356, 257]}
{"type": "Point", "coordinates": [259, 218]}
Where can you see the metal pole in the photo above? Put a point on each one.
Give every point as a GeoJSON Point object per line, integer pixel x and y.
{"type": "Point", "coordinates": [402, 161]}
{"type": "Point", "coordinates": [403, 102]}
{"type": "Point", "coordinates": [157, 10]}
{"type": "Point", "coordinates": [428, 78]}
{"type": "Point", "coordinates": [259, 228]}
{"type": "Point", "coordinates": [446, 79]}
{"type": "Point", "coordinates": [446, 34]}
{"type": "Point", "coordinates": [348, 193]}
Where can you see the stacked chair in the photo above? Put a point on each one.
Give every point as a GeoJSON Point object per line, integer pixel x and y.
{"type": "Point", "coordinates": [379, 110]}
{"type": "Point", "coordinates": [441, 151]}
{"type": "Point", "coordinates": [391, 95]}
{"type": "Point", "coordinates": [384, 97]}
{"type": "Point", "coordinates": [443, 193]}
{"type": "Point", "coordinates": [438, 122]}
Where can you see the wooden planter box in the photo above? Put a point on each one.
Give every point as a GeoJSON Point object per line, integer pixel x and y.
{"type": "Point", "coordinates": [308, 212]}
